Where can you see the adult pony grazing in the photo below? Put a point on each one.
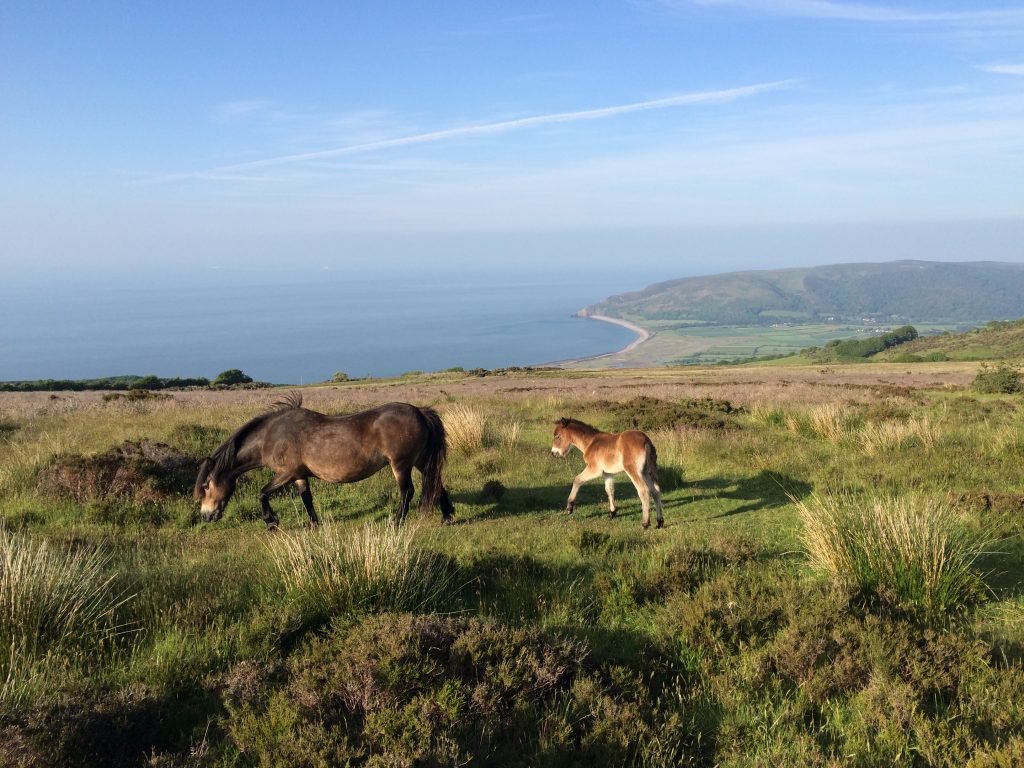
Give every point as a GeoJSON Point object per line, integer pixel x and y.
{"type": "Point", "coordinates": [297, 444]}
{"type": "Point", "coordinates": [608, 453]}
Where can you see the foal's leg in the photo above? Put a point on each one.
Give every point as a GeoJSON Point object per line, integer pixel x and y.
{"type": "Point", "coordinates": [587, 474]}
{"type": "Point", "coordinates": [609, 488]}
{"type": "Point", "coordinates": [403, 476]}
{"type": "Point", "coordinates": [641, 490]}
{"type": "Point", "coordinates": [307, 500]}
{"type": "Point", "coordinates": [651, 480]}
{"type": "Point", "coordinates": [279, 481]}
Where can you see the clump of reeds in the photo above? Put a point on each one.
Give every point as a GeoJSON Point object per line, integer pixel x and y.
{"type": "Point", "coordinates": [375, 567]}
{"type": "Point", "coordinates": [57, 604]}
{"type": "Point", "coordinates": [768, 415]}
{"type": "Point", "coordinates": [914, 553]}
{"type": "Point", "coordinates": [469, 429]}
{"type": "Point", "coordinates": [891, 435]}
{"type": "Point", "coordinates": [830, 421]}
{"type": "Point", "coordinates": [465, 426]}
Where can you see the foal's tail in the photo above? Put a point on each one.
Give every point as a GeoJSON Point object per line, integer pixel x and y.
{"type": "Point", "coordinates": [651, 461]}
{"type": "Point", "coordinates": [435, 452]}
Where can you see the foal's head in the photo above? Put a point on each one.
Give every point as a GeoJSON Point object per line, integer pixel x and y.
{"type": "Point", "coordinates": [213, 490]}
{"type": "Point", "coordinates": [561, 444]}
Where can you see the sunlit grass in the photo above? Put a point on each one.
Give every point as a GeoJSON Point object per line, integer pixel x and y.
{"type": "Point", "coordinates": [915, 552]}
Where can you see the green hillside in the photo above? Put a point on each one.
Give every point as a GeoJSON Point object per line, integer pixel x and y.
{"type": "Point", "coordinates": [899, 291]}
{"type": "Point", "coordinates": [996, 341]}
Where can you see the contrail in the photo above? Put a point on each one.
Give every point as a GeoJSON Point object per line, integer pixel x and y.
{"type": "Point", "coordinates": [702, 97]}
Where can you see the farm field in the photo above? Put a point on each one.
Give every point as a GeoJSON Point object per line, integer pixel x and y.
{"type": "Point", "coordinates": [681, 344]}
{"type": "Point", "coordinates": [519, 636]}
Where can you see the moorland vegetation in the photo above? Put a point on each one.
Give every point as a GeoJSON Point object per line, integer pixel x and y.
{"type": "Point", "coordinates": [840, 582]}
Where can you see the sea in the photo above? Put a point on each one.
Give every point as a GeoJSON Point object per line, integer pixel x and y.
{"type": "Point", "coordinates": [301, 329]}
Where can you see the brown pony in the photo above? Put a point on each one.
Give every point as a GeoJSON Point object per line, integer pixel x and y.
{"type": "Point", "coordinates": [608, 453]}
{"type": "Point", "coordinates": [298, 444]}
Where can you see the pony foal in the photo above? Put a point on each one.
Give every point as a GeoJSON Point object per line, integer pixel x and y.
{"type": "Point", "coordinates": [608, 453]}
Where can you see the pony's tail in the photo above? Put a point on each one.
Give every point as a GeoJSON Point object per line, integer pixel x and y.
{"type": "Point", "coordinates": [436, 453]}
{"type": "Point", "coordinates": [651, 460]}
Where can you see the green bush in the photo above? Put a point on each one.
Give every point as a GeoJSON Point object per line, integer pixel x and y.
{"type": "Point", "coordinates": [999, 379]}
{"type": "Point", "coordinates": [231, 377]}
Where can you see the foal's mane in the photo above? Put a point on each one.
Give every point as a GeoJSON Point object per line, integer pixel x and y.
{"type": "Point", "coordinates": [577, 424]}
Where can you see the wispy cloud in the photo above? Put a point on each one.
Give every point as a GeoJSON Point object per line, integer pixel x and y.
{"type": "Point", "coordinates": [828, 9]}
{"type": "Point", "coordinates": [232, 110]}
{"type": "Point", "coordinates": [483, 129]}
{"type": "Point", "coordinates": [1003, 69]}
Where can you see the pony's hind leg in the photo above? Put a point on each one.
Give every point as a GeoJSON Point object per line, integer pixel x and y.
{"type": "Point", "coordinates": [403, 476]}
{"type": "Point", "coordinates": [447, 508]}
{"type": "Point", "coordinates": [655, 490]}
{"type": "Point", "coordinates": [639, 482]}
{"type": "Point", "coordinates": [609, 488]}
{"type": "Point", "coordinates": [307, 500]}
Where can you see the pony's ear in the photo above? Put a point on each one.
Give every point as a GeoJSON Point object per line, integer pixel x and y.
{"type": "Point", "coordinates": [563, 422]}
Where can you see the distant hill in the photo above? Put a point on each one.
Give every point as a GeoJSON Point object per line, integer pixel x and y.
{"type": "Point", "coordinates": [890, 292]}
{"type": "Point", "coordinates": [996, 341]}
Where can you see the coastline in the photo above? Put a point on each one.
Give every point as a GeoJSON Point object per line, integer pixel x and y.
{"type": "Point", "coordinates": [642, 335]}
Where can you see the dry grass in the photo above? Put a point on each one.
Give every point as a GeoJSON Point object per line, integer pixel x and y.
{"type": "Point", "coordinates": [506, 434]}
{"type": "Point", "coordinates": [915, 552]}
{"type": "Point", "coordinates": [830, 421]}
{"type": "Point", "coordinates": [882, 436]}
{"type": "Point", "coordinates": [465, 426]}
{"type": "Point", "coordinates": [377, 566]}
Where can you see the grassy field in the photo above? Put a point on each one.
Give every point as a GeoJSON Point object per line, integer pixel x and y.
{"type": "Point", "coordinates": [691, 344]}
{"type": "Point", "coordinates": [840, 581]}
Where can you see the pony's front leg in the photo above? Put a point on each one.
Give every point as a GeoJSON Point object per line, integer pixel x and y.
{"type": "Point", "coordinates": [307, 500]}
{"type": "Point", "coordinates": [587, 474]}
{"type": "Point", "coordinates": [609, 488]}
{"type": "Point", "coordinates": [279, 481]}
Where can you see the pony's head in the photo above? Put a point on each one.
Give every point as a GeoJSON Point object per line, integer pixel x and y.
{"type": "Point", "coordinates": [561, 443]}
{"type": "Point", "coordinates": [213, 490]}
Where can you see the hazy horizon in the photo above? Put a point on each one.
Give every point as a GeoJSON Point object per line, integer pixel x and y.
{"type": "Point", "coordinates": [670, 136]}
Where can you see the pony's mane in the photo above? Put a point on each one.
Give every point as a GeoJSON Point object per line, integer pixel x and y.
{"type": "Point", "coordinates": [223, 459]}
{"type": "Point", "coordinates": [292, 400]}
{"type": "Point", "coordinates": [577, 424]}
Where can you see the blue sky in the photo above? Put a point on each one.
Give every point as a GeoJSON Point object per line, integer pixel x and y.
{"type": "Point", "coordinates": [696, 134]}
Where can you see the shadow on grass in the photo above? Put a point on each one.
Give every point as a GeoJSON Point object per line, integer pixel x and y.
{"type": "Point", "coordinates": [765, 490]}
{"type": "Point", "coordinates": [520, 588]}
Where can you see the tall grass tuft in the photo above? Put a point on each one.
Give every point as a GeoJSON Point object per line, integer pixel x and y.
{"type": "Point", "coordinates": [465, 426]}
{"type": "Point", "coordinates": [376, 567]}
{"type": "Point", "coordinates": [507, 434]}
{"type": "Point", "coordinates": [879, 437]}
{"type": "Point", "coordinates": [830, 422]}
{"type": "Point", "coordinates": [913, 553]}
{"type": "Point", "coordinates": [57, 605]}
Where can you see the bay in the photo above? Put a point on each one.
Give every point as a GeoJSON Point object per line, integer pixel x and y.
{"type": "Point", "coordinates": [302, 329]}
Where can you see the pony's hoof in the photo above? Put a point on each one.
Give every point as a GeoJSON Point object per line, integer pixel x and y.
{"type": "Point", "coordinates": [272, 528]}
{"type": "Point", "coordinates": [447, 521]}
{"type": "Point", "coordinates": [611, 513]}
{"type": "Point", "coordinates": [661, 523]}
{"type": "Point", "coordinates": [645, 525]}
